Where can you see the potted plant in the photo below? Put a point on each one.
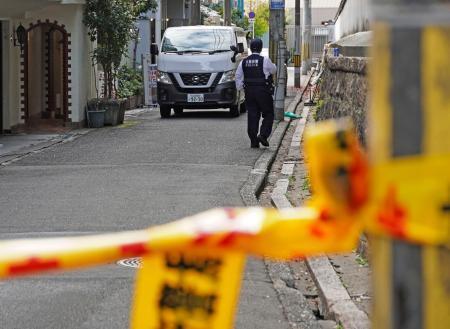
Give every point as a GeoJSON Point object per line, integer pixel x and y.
{"type": "Point", "coordinates": [131, 86]}
{"type": "Point", "coordinates": [95, 116]}
{"type": "Point", "coordinates": [111, 25]}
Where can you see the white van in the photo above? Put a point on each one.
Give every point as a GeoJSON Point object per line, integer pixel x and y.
{"type": "Point", "coordinates": [197, 66]}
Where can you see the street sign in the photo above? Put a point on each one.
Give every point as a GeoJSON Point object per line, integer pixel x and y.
{"type": "Point", "coordinates": [251, 20]}
{"type": "Point", "coordinates": [277, 4]}
{"type": "Point", "coordinates": [150, 85]}
{"type": "Point", "coordinates": [251, 15]}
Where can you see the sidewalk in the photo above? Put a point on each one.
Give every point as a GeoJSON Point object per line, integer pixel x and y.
{"type": "Point", "coordinates": [17, 146]}
{"type": "Point", "coordinates": [14, 147]}
{"type": "Point", "coordinates": [336, 286]}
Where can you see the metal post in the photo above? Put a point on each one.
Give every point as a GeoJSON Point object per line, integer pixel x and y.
{"type": "Point", "coordinates": [277, 53]}
{"type": "Point", "coordinates": [195, 13]}
{"type": "Point", "coordinates": [281, 82]}
{"type": "Point", "coordinates": [409, 120]}
{"type": "Point", "coordinates": [297, 80]}
{"type": "Point", "coordinates": [306, 39]}
{"type": "Point", "coordinates": [227, 12]}
{"type": "Point", "coordinates": [276, 32]}
{"type": "Point", "coordinates": [164, 18]}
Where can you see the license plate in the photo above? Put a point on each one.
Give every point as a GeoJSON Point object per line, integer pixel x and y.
{"type": "Point", "coordinates": [196, 98]}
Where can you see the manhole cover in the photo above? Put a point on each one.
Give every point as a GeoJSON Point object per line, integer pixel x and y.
{"type": "Point", "coordinates": [131, 262]}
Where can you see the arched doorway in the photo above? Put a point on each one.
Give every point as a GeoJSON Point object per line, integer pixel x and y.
{"type": "Point", "coordinates": [46, 75]}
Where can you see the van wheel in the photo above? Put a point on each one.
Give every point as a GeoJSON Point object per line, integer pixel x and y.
{"type": "Point", "coordinates": [243, 109]}
{"type": "Point", "coordinates": [165, 111]}
{"type": "Point", "coordinates": [234, 111]}
{"type": "Point", "coordinates": [178, 111]}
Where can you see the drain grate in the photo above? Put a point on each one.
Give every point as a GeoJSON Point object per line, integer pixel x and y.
{"type": "Point", "coordinates": [131, 262]}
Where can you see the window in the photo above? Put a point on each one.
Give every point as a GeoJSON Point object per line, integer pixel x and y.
{"type": "Point", "coordinates": [207, 40]}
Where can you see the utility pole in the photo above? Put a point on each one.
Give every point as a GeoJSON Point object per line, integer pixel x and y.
{"type": "Point", "coordinates": [280, 90]}
{"type": "Point", "coordinates": [306, 39]}
{"type": "Point", "coordinates": [410, 115]}
{"type": "Point", "coordinates": [297, 56]}
{"type": "Point", "coordinates": [277, 53]}
{"type": "Point", "coordinates": [276, 31]}
{"type": "Point", "coordinates": [195, 13]}
{"type": "Point", "coordinates": [227, 12]}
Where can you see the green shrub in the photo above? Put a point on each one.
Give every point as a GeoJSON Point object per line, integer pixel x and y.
{"type": "Point", "coordinates": [319, 106]}
{"type": "Point", "coordinates": [130, 81]}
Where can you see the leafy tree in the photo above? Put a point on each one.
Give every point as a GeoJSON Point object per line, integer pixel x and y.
{"type": "Point", "coordinates": [262, 19]}
{"type": "Point", "coordinates": [110, 23]}
{"type": "Point", "coordinates": [239, 19]}
{"type": "Point", "coordinates": [216, 7]}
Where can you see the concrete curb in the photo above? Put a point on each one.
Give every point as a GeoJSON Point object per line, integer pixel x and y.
{"type": "Point", "coordinates": [295, 305]}
{"type": "Point", "coordinates": [40, 147]}
{"type": "Point", "coordinates": [335, 302]}
{"type": "Point", "coordinates": [257, 178]}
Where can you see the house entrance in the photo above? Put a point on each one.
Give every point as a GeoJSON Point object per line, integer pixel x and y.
{"type": "Point", "coordinates": [46, 75]}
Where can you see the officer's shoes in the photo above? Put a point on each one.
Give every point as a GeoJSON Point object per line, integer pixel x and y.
{"type": "Point", "coordinates": [255, 146]}
{"type": "Point", "coordinates": [263, 140]}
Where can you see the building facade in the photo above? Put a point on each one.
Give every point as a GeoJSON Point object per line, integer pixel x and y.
{"type": "Point", "coordinates": [352, 17]}
{"type": "Point", "coordinates": [46, 71]}
{"type": "Point", "coordinates": [169, 13]}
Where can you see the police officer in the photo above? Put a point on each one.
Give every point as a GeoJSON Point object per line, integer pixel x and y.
{"type": "Point", "coordinates": [254, 74]}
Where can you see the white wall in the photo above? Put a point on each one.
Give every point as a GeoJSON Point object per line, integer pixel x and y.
{"type": "Point", "coordinates": [12, 77]}
{"type": "Point", "coordinates": [4, 34]}
{"type": "Point", "coordinates": [354, 18]}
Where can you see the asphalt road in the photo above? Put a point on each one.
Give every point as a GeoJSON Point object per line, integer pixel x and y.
{"type": "Point", "coordinates": [149, 172]}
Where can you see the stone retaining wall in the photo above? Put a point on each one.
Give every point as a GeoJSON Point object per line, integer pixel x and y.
{"type": "Point", "coordinates": [344, 90]}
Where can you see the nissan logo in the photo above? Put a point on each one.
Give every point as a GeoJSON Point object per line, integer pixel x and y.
{"type": "Point", "coordinates": [195, 79]}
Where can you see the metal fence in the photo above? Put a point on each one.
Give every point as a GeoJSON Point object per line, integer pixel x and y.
{"type": "Point", "coordinates": [320, 35]}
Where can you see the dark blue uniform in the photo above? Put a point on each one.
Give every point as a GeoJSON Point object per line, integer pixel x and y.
{"type": "Point", "coordinates": [258, 98]}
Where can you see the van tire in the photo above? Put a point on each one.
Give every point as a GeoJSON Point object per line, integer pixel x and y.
{"type": "Point", "coordinates": [165, 111]}
{"type": "Point", "coordinates": [234, 111]}
{"type": "Point", "coordinates": [242, 108]}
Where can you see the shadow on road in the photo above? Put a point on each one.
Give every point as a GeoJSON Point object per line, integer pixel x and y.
{"type": "Point", "coordinates": [203, 114]}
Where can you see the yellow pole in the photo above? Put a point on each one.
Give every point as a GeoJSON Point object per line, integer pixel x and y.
{"type": "Point", "coordinates": [410, 119]}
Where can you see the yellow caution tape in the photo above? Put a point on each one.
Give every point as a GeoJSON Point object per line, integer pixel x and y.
{"type": "Point", "coordinates": [411, 200]}
{"type": "Point", "coordinates": [187, 290]}
{"type": "Point", "coordinates": [282, 234]}
{"type": "Point", "coordinates": [192, 268]}
{"type": "Point", "coordinates": [406, 198]}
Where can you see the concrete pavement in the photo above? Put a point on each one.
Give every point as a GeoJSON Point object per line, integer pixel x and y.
{"type": "Point", "coordinates": [147, 172]}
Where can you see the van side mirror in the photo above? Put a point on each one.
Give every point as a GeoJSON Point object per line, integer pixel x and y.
{"type": "Point", "coordinates": [240, 48]}
{"type": "Point", "coordinates": [237, 50]}
{"type": "Point", "coordinates": [154, 49]}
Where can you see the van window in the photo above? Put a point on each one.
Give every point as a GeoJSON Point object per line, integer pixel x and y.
{"type": "Point", "coordinates": [243, 39]}
{"type": "Point", "coordinates": [181, 40]}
